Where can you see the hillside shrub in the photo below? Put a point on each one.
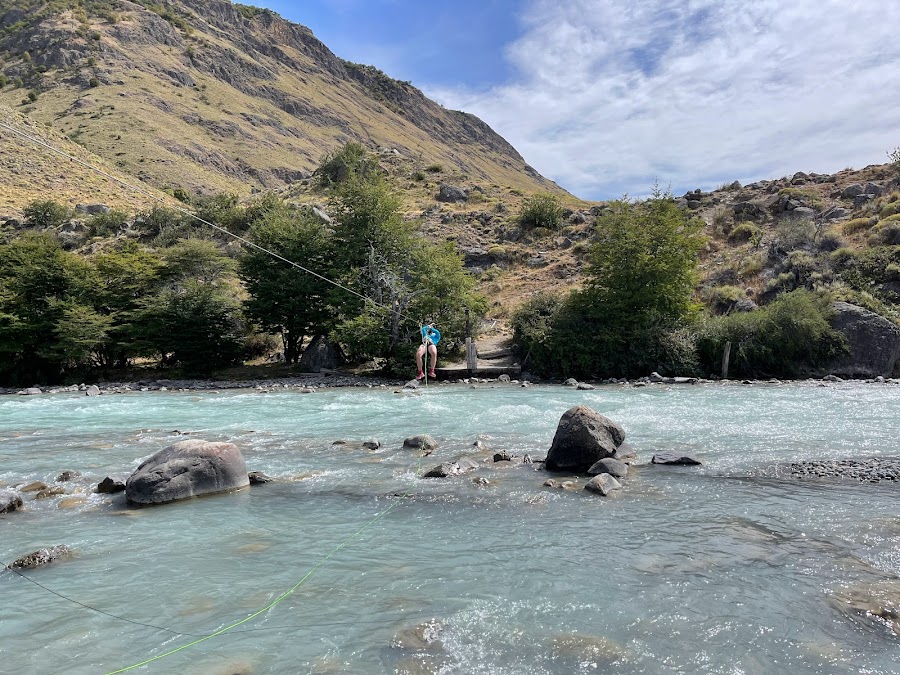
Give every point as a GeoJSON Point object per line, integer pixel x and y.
{"type": "Point", "coordinates": [46, 214]}
{"type": "Point", "coordinates": [341, 164]}
{"type": "Point", "coordinates": [785, 338]}
{"type": "Point", "coordinates": [885, 233]}
{"type": "Point", "coordinates": [890, 209]}
{"type": "Point", "coordinates": [793, 233]}
{"type": "Point", "coordinates": [894, 157]}
{"type": "Point", "coordinates": [722, 298]}
{"type": "Point", "coordinates": [107, 224]}
{"type": "Point", "coordinates": [541, 210]}
{"type": "Point", "coordinates": [434, 168]}
{"type": "Point", "coordinates": [857, 225]}
{"type": "Point", "coordinates": [745, 232]}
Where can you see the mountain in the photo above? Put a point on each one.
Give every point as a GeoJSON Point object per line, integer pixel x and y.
{"type": "Point", "coordinates": [212, 96]}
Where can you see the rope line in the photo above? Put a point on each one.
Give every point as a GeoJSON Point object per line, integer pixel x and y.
{"type": "Point", "coordinates": [246, 242]}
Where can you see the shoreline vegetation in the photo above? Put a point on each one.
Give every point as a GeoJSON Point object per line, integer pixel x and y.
{"type": "Point", "coordinates": [86, 300]}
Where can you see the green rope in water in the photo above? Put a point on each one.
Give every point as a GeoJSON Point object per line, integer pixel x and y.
{"type": "Point", "coordinates": [318, 565]}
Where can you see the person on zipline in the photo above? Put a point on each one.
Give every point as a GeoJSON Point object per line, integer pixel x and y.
{"type": "Point", "coordinates": [430, 337]}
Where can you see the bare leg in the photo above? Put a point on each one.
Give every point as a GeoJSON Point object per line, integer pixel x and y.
{"type": "Point", "coordinates": [432, 361]}
{"type": "Point", "coordinates": [420, 352]}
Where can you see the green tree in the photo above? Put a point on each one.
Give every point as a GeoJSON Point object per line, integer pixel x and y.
{"type": "Point", "coordinates": [284, 299]}
{"type": "Point", "coordinates": [192, 325]}
{"type": "Point", "coordinates": [639, 284]}
{"type": "Point", "coordinates": [346, 162]}
{"type": "Point", "coordinates": [44, 294]}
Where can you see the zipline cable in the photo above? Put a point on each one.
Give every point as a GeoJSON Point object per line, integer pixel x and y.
{"type": "Point", "coordinates": [246, 242]}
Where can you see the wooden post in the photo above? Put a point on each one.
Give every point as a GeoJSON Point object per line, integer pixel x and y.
{"type": "Point", "coordinates": [471, 356]}
{"type": "Point", "coordinates": [726, 357]}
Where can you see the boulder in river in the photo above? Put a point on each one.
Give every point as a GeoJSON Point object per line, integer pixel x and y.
{"type": "Point", "coordinates": [613, 467]}
{"type": "Point", "coordinates": [109, 486]}
{"type": "Point", "coordinates": [187, 469]}
{"type": "Point", "coordinates": [602, 484]}
{"type": "Point", "coordinates": [457, 468]}
{"type": "Point", "coordinates": [423, 442]}
{"type": "Point", "coordinates": [259, 478]}
{"type": "Point", "coordinates": [10, 500]}
{"type": "Point", "coordinates": [42, 557]}
{"type": "Point", "coordinates": [93, 390]}
{"type": "Point", "coordinates": [583, 437]}
{"type": "Point", "coordinates": [66, 476]}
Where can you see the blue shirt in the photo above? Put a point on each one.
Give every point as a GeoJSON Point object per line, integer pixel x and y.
{"type": "Point", "coordinates": [432, 334]}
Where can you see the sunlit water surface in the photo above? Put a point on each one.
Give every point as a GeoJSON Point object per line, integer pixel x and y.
{"type": "Point", "coordinates": [725, 568]}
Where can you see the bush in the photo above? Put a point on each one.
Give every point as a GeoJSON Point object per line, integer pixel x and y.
{"type": "Point", "coordinates": [106, 224]}
{"type": "Point", "coordinates": [722, 298]}
{"type": "Point", "coordinates": [785, 338]}
{"type": "Point", "coordinates": [3, 81]}
{"type": "Point", "coordinates": [886, 232]}
{"type": "Point", "coordinates": [46, 214]}
{"type": "Point", "coordinates": [342, 164]}
{"type": "Point", "coordinates": [541, 210]}
{"type": "Point", "coordinates": [856, 225]}
{"type": "Point", "coordinates": [890, 209]}
{"type": "Point", "coordinates": [434, 168]}
{"type": "Point", "coordinates": [745, 232]}
{"type": "Point", "coordinates": [830, 241]}
{"type": "Point", "coordinates": [93, 83]}
{"type": "Point", "coordinates": [792, 233]}
{"type": "Point", "coordinates": [532, 324]}
{"type": "Point", "coordinates": [32, 96]}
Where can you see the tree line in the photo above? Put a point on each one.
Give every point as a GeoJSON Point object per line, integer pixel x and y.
{"type": "Point", "coordinates": [175, 293]}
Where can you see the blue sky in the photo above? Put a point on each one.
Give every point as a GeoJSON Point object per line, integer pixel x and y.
{"type": "Point", "coordinates": [607, 96]}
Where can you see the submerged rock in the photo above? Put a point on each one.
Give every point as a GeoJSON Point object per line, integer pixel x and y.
{"type": "Point", "coordinates": [42, 557]}
{"type": "Point", "coordinates": [50, 492]}
{"type": "Point", "coordinates": [10, 501]}
{"type": "Point", "coordinates": [583, 437]}
{"type": "Point", "coordinates": [424, 637]}
{"type": "Point", "coordinates": [674, 458]}
{"type": "Point", "coordinates": [36, 486]}
{"type": "Point", "coordinates": [187, 469]}
{"type": "Point", "coordinates": [424, 442]}
{"type": "Point", "coordinates": [603, 484]}
{"type": "Point", "coordinates": [613, 467]}
{"type": "Point", "coordinates": [259, 478]}
{"type": "Point", "coordinates": [109, 486]}
{"type": "Point", "coordinates": [67, 476]}
{"type": "Point", "coordinates": [457, 468]}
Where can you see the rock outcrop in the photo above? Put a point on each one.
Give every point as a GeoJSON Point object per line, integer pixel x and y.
{"type": "Point", "coordinates": [43, 557]}
{"type": "Point", "coordinates": [187, 469]}
{"type": "Point", "coordinates": [874, 343]}
{"type": "Point", "coordinates": [319, 355]}
{"type": "Point", "coordinates": [583, 437]}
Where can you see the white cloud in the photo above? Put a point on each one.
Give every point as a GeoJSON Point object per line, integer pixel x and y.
{"type": "Point", "coordinates": [611, 94]}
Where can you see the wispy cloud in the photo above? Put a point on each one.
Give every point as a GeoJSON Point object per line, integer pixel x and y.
{"type": "Point", "coordinates": [612, 94]}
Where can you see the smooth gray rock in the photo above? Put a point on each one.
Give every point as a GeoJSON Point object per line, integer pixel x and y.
{"type": "Point", "coordinates": [66, 476]}
{"type": "Point", "coordinates": [571, 382]}
{"type": "Point", "coordinates": [584, 386]}
{"type": "Point", "coordinates": [603, 484]}
{"type": "Point", "coordinates": [426, 443]}
{"type": "Point", "coordinates": [582, 438]}
{"type": "Point", "coordinates": [10, 501]}
{"type": "Point", "coordinates": [109, 486]}
{"type": "Point", "coordinates": [31, 391]}
{"type": "Point", "coordinates": [503, 378]}
{"type": "Point", "coordinates": [674, 458]}
{"type": "Point", "coordinates": [258, 478]}
{"type": "Point", "coordinates": [613, 467]}
{"type": "Point", "coordinates": [42, 557]}
{"type": "Point", "coordinates": [459, 467]}
{"type": "Point", "coordinates": [93, 390]}
{"type": "Point", "coordinates": [187, 469]}
{"type": "Point", "coordinates": [625, 454]}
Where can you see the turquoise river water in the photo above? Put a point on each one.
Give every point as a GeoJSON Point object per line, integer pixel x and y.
{"type": "Point", "coordinates": [730, 567]}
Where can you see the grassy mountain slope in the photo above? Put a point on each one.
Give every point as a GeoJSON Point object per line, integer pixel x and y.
{"type": "Point", "coordinates": [210, 96]}
{"type": "Point", "coordinates": [31, 172]}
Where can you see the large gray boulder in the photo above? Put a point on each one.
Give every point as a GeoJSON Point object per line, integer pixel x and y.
{"type": "Point", "coordinates": [319, 355]}
{"type": "Point", "coordinates": [187, 469]}
{"type": "Point", "coordinates": [873, 340]}
{"type": "Point", "coordinates": [45, 556]}
{"type": "Point", "coordinates": [583, 437]}
{"type": "Point", "coordinates": [451, 193]}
